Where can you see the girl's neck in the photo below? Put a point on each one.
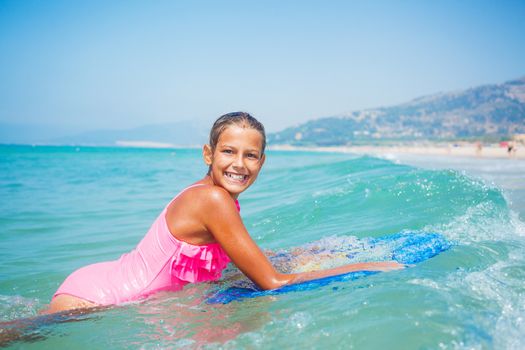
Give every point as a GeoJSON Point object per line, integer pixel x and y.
{"type": "Point", "coordinates": [209, 181]}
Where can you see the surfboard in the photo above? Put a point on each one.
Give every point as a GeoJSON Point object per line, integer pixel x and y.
{"type": "Point", "coordinates": [405, 247]}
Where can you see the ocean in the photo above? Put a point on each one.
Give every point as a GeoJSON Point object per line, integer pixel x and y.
{"type": "Point", "coordinates": [65, 207]}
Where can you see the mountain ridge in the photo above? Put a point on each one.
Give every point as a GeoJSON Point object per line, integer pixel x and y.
{"type": "Point", "coordinates": [181, 133]}
{"type": "Point", "coordinates": [492, 110]}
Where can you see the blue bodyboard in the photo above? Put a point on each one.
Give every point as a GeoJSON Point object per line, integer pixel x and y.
{"type": "Point", "coordinates": [405, 247]}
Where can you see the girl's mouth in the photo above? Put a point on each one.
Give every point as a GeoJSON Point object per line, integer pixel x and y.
{"type": "Point", "coordinates": [239, 178]}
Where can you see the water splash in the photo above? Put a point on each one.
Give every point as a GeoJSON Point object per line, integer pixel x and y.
{"type": "Point", "coordinates": [14, 307]}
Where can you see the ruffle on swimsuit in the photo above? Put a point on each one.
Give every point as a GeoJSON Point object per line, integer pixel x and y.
{"type": "Point", "coordinates": [192, 263]}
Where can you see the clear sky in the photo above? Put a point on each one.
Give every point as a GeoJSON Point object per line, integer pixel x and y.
{"type": "Point", "coordinates": [121, 64]}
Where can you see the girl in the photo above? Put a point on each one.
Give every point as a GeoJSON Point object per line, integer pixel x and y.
{"type": "Point", "coordinates": [198, 233]}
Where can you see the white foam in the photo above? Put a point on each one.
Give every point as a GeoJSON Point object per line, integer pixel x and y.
{"type": "Point", "coordinates": [481, 222]}
{"type": "Point", "coordinates": [503, 318]}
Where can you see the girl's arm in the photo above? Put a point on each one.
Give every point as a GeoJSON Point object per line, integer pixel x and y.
{"type": "Point", "coordinates": [222, 219]}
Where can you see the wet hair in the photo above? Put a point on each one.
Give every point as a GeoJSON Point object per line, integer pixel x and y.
{"type": "Point", "coordinates": [240, 119]}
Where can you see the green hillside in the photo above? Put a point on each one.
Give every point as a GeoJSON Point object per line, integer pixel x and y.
{"type": "Point", "coordinates": [489, 111]}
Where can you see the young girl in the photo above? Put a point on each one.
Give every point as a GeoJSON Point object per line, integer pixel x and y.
{"type": "Point", "coordinates": [198, 233]}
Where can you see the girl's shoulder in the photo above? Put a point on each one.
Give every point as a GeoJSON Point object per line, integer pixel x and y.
{"type": "Point", "coordinates": [205, 189]}
{"type": "Point", "coordinates": [205, 194]}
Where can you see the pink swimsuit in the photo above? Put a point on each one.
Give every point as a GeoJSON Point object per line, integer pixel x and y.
{"type": "Point", "coordinates": [159, 262]}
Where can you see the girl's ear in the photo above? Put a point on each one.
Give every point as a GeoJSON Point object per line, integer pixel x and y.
{"type": "Point", "coordinates": [207, 154]}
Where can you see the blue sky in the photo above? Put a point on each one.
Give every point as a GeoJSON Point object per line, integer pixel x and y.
{"type": "Point", "coordinates": [121, 64]}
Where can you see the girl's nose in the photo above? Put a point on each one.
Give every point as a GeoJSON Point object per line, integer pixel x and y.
{"type": "Point", "coordinates": [238, 162]}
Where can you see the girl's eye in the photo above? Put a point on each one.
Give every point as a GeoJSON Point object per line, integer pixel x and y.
{"type": "Point", "coordinates": [253, 156]}
{"type": "Point", "coordinates": [227, 151]}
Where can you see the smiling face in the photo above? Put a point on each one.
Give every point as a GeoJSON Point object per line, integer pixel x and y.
{"type": "Point", "coordinates": [236, 160]}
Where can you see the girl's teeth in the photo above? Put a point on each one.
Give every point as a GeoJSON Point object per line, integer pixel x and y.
{"type": "Point", "coordinates": [236, 177]}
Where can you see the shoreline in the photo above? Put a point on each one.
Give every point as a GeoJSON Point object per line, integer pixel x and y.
{"type": "Point", "coordinates": [461, 150]}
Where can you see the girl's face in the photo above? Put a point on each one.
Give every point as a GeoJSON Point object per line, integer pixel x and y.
{"type": "Point", "coordinates": [236, 160]}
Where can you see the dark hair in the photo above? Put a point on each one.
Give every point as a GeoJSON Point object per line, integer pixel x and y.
{"type": "Point", "coordinates": [241, 119]}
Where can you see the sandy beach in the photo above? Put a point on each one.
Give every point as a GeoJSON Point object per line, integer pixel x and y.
{"type": "Point", "coordinates": [452, 150]}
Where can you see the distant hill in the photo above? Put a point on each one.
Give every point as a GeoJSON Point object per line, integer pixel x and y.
{"type": "Point", "coordinates": [485, 111]}
{"type": "Point", "coordinates": [18, 133]}
{"type": "Point", "coordinates": [185, 133]}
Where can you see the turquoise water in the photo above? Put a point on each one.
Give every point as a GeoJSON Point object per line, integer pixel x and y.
{"type": "Point", "coordinates": [65, 207]}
